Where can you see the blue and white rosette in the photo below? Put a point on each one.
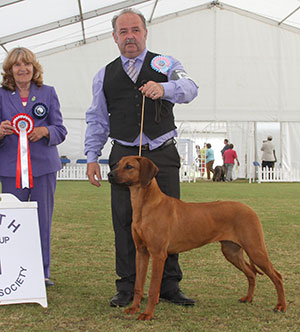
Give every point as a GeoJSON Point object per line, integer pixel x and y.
{"type": "Point", "coordinates": [161, 63]}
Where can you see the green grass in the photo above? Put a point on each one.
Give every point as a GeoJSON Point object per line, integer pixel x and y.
{"type": "Point", "coordinates": [83, 268]}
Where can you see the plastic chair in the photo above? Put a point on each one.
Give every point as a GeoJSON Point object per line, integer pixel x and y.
{"type": "Point", "coordinates": [65, 161]}
{"type": "Point", "coordinates": [256, 164]}
{"type": "Point", "coordinates": [81, 161]}
{"type": "Point", "coordinates": [104, 161]}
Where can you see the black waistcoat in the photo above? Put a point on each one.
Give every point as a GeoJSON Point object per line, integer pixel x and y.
{"type": "Point", "coordinates": [124, 103]}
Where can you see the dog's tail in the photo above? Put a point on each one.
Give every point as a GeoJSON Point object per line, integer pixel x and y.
{"type": "Point", "coordinates": [254, 269]}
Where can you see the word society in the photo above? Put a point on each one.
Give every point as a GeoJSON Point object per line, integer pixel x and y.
{"type": "Point", "coordinates": [16, 284]}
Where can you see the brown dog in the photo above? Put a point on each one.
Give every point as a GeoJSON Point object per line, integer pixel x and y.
{"type": "Point", "coordinates": [163, 225]}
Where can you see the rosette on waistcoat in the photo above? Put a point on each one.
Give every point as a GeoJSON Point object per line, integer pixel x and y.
{"type": "Point", "coordinates": [23, 125]}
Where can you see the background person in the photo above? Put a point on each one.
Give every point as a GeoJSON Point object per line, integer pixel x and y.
{"type": "Point", "coordinates": [210, 158]}
{"type": "Point", "coordinates": [198, 151]}
{"type": "Point", "coordinates": [268, 155]}
{"type": "Point", "coordinates": [229, 157]}
{"type": "Point", "coordinates": [23, 91]}
{"type": "Point", "coordinates": [226, 146]}
{"type": "Point", "coordinates": [116, 112]}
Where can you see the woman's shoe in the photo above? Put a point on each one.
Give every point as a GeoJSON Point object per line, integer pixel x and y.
{"type": "Point", "coordinates": [48, 282]}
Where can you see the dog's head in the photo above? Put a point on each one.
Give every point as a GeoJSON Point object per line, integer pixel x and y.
{"type": "Point", "coordinates": [133, 170]}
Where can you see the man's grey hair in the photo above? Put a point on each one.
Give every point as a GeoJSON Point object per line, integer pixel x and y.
{"type": "Point", "coordinates": [128, 11]}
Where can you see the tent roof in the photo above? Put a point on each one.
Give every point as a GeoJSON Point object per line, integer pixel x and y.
{"type": "Point", "coordinates": [53, 25]}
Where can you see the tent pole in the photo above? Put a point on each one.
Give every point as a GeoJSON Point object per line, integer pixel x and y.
{"type": "Point", "coordinates": [294, 11]}
{"type": "Point", "coordinates": [81, 20]}
{"type": "Point", "coordinates": [255, 141]}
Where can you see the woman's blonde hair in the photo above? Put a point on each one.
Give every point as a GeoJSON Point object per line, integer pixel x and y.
{"type": "Point", "coordinates": [20, 54]}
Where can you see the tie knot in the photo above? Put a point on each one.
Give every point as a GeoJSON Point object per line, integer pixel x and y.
{"type": "Point", "coordinates": [131, 62]}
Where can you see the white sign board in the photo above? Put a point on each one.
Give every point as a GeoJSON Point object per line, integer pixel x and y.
{"type": "Point", "coordinates": [21, 266]}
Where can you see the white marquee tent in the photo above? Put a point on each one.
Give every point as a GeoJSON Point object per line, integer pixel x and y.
{"type": "Point", "coordinates": [244, 56]}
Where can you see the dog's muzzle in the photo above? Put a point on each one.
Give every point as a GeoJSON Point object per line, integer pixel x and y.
{"type": "Point", "coordinates": [112, 178]}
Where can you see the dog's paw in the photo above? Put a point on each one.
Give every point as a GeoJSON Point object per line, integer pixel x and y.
{"type": "Point", "coordinates": [145, 316]}
{"type": "Point", "coordinates": [280, 308]}
{"type": "Point", "coordinates": [245, 299]}
{"type": "Point", "coordinates": [132, 310]}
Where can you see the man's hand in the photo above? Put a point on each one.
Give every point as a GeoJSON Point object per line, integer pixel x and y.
{"type": "Point", "coordinates": [93, 173]}
{"type": "Point", "coordinates": [152, 90]}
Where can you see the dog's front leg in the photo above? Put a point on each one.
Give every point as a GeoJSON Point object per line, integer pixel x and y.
{"type": "Point", "coordinates": [141, 261]}
{"type": "Point", "coordinates": [158, 263]}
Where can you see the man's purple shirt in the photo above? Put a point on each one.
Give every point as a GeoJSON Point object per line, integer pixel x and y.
{"type": "Point", "coordinates": [179, 91]}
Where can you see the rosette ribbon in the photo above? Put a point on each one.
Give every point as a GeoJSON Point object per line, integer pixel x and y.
{"type": "Point", "coordinates": [23, 125]}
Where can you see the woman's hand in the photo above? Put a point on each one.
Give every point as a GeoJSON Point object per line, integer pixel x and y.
{"type": "Point", "coordinates": [5, 129]}
{"type": "Point", "coordinates": [38, 133]}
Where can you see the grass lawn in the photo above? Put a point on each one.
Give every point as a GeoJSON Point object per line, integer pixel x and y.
{"type": "Point", "coordinates": [83, 268]}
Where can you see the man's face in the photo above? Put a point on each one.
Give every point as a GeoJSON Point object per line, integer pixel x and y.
{"type": "Point", "coordinates": [130, 35]}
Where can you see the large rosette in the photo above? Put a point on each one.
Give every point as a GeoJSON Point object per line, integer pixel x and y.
{"type": "Point", "coordinates": [23, 125]}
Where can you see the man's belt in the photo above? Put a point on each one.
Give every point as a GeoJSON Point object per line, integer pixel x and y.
{"type": "Point", "coordinates": [145, 147]}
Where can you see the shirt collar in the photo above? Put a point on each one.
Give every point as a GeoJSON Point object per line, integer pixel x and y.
{"type": "Point", "coordinates": [140, 57]}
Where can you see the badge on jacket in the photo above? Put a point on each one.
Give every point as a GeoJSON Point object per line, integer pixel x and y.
{"type": "Point", "coordinates": [39, 110]}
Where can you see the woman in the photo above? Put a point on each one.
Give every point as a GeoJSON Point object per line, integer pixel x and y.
{"type": "Point", "coordinates": [228, 157]}
{"type": "Point", "coordinates": [23, 91]}
{"type": "Point", "coordinates": [210, 158]}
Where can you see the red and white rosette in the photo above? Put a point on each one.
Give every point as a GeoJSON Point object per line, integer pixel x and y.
{"type": "Point", "coordinates": [23, 125]}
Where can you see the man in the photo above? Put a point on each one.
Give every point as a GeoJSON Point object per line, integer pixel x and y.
{"type": "Point", "coordinates": [226, 146]}
{"type": "Point", "coordinates": [116, 112]}
{"type": "Point", "coordinates": [228, 157]}
{"type": "Point", "coordinates": [268, 156]}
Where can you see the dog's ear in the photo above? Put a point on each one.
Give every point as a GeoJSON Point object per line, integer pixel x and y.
{"type": "Point", "coordinates": [147, 171]}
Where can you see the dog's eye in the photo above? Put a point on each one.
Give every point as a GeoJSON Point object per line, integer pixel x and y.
{"type": "Point", "coordinates": [128, 166]}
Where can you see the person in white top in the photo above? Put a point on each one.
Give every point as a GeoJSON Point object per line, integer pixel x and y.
{"type": "Point", "coordinates": [268, 155]}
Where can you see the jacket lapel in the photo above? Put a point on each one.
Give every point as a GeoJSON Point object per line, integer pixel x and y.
{"type": "Point", "coordinates": [15, 100]}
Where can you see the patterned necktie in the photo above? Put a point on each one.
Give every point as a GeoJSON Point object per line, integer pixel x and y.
{"type": "Point", "coordinates": [131, 70]}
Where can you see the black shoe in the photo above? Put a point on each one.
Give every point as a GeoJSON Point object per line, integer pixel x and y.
{"type": "Point", "coordinates": [49, 282]}
{"type": "Point", "coordinates": [177, 297]}
{"type": "Point", "coordinates": [121, 299]}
